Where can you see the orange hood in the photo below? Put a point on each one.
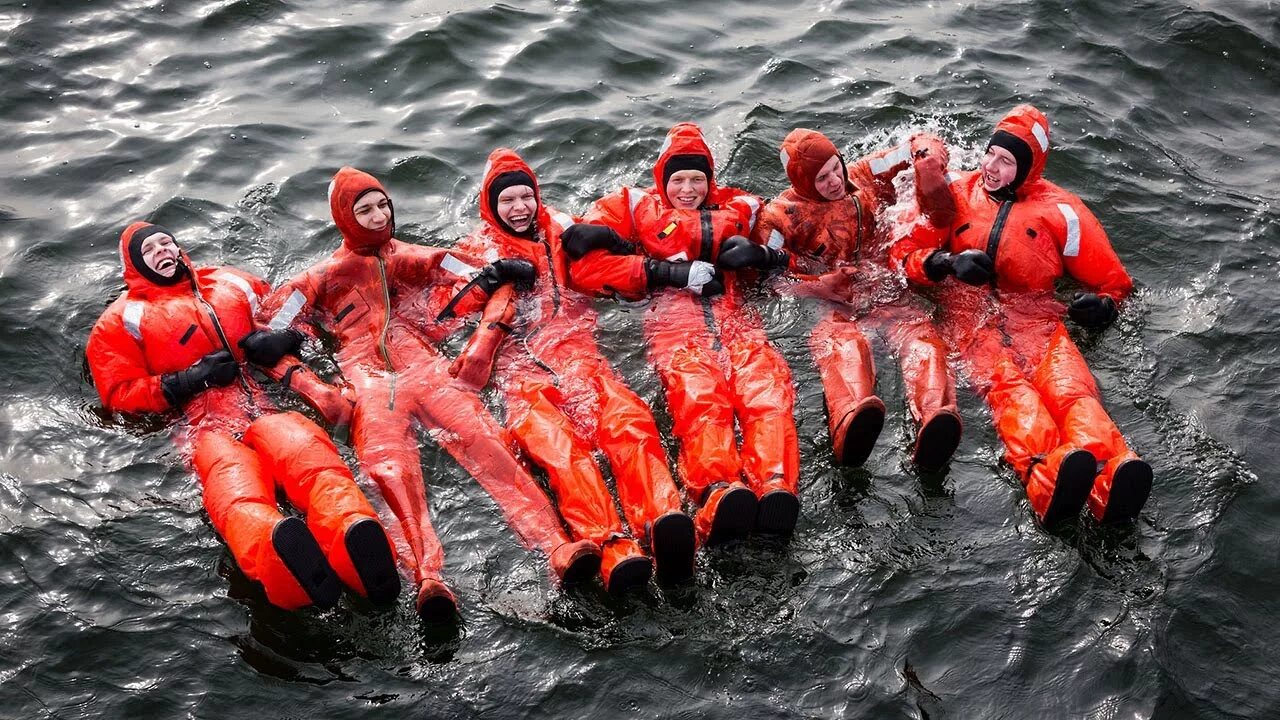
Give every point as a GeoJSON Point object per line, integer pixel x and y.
{"type": "Point", "coordinates": [346, 189]}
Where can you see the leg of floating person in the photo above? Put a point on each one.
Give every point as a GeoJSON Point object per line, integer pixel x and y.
{"type": "Point", "coordinates": [930, 387]}
{"type": "Point", "coordinates": [1057, 476]}
{"type": "Point", "coordinates": [764, 398]}
{"type": "Point", "coordinates": [1069, 390]}
{"type": "Point", "coordinates": [303, 460]}
{"type": "Point", "coordinates": [464, 428]}
{"type": "Point", "coordinates": [551, 441]}
{"type": "Point", "coordinates": [854, 414]}
{"type": "Point", "coordinates": [276, 551]}
{"type": "Point", "coordinates": [701, 407]}
{"type": "Point", "coordinates": [629, 437]}
{"type": "Point", "coordinates": [387, 449]}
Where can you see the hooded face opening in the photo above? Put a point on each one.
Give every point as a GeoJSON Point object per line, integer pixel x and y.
{"type": "Point", "coordinates": [830, 180]}
{"type": "Point", "coordinates": [516, 207]}
{"type": "Point", "coordinates": [373, 210]}
{"type": "Point", "coordinates": [999, 168]}
{"type": "Point", "coordinates": [160, 253]}
{"type": "Point", "coordinates": [687, 189]}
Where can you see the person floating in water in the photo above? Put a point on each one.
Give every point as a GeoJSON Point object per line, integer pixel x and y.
{"type": "Point", "coordinates": [710, 352]}
{"type": "Point", "coordinates": [831, 230]}
{"type": "Point", "coordinates": [379, 298]}
{"type": "Point", "coordinates": [994, 266]}
{"type": "Point", "coordinates": [178, 339]}
{"type": "Point", "coordinates": [564, 399]}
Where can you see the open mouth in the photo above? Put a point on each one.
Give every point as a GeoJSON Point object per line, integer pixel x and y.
{"type": "Point", "coordinates": [519, 221]}
{"type": "Point", "coordinates": [166, 263]}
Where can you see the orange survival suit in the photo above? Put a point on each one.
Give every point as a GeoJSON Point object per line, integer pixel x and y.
{"type": "Point", "coordinates": [823, 235]}
{"type": "Point", "coordinates": [1044, 401]}
{"type": "Point", "coordinates": [379, 298]}
{"type": "Point", "coordinates": [564, 399]}
{"type": "Point", "coordinates": [164, 326]}
{"type": "Point", "coordinates": [710, 352]}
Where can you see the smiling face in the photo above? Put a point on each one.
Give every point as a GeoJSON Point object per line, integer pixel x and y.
{"type": "Point", "coordinates": [829, 182]}
{"type": "Point", "coordinates": [686, 189]}
{"type": "Point", "coordinates": [999, 168]}
{"type": "Point", "coordinates": [160, 253]}
{"type": "Point", "coordinates": [516, 207]}
{"type": "Point", "coordinates": [372, 211]}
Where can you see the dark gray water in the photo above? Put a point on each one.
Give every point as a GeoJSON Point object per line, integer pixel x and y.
{"type": "Point", "coordinates": [898, 597]}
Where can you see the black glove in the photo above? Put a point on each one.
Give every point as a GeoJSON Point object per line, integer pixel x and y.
{"type": "Point", "coordinates": [507, 270]}
{"type": "Point", "coordinates": [581, 238]}
{"type": "Point", "coordinates": [216, 368]}
{"type": "Point", "coordinates": [700, 277]}
{"type": "Point", "coordinates": [1092, 310]}
{"type": "Point", "coordinates": [738, 252]}
{"type": "Point", "coordinates": [938, 266]}
{"type": "Point", "coordinates": [266, 347]}
{"type": "Point", "coordinates": [973, 267]}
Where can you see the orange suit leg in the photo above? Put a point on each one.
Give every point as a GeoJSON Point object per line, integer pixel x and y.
{"type": "Point", "coordinates": [701, 409]}
{"type": "Point", "coordinates": [629, 437]}
{"type": "Point", "coordinates": [465, 429]}
{"type": "Point", "coordinates": [927, 378]}
{"type": "Point", "coordinates": [1031, 438]}
{"type": "Point", "coordinates": [240, 500]}
{"type": "Point", "coordinates": [845, 365]}
{"type": "Point", "coordinates": [303, 460]}
{"type": "Point", "coordinates": [765, 399]}
{"type": "Point", "coordinates": [548, 437]}
{"type": "Point", "coordinates": [387, 448]}
{"type": "Point", "coordinates": [1064, 380]}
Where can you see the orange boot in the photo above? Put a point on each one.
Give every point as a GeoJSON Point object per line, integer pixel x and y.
{"type": "Point", "coordinates": [855, 415]}
{"type": "Point", "coordinates": [623, 565]}
{"type": "Point", "coordinates": [305, 463]}
{"type": "Point", "coordinates": [727, 513]}
{"type": "Point", "coordinates": [931, 393]}
{"type": "Point", "coordinates": [278, 552]}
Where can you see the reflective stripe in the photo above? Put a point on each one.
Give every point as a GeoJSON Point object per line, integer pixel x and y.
{"type": "Point", "coordinates": [881, 165]}
{"type": "Point", "coordinates": [754, 204]}
{"type": "Point", "coordinates": [681, 256]}
{"type": "Point", "coordinates": [776, 240]}
{"type": "Point", "coordinates": [952, 177]}
{"type": "Point", "coordinates": [457, 267]}
{"type": "Point", "coordinates": [1072, 248]}
{"type": "Point", "coordinates": [633, 199]}
{"type": "Point", "coordinates": [666, 143]}
{"type": "Point", "coordinates": [244, 286]}
{"type": "Point", "coordinates": [563, 219]}
{"type": "Point", "coordinates": [133, 318]}
{"type": "Point", "coordinates": [288, 311]}
{"type": "Point", "coordinates": [785, 158]}
{"type": "Point", "coordinates": [1042, 136]}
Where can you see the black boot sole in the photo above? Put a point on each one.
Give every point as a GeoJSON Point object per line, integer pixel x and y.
{"type": "Point", "coordinates": [370, 553]}
{"type": "Point", "coordinates": [673, 541]}
{"type": "Point", "coordinates": [437, 610]}
{"type": "Point", "coordinates": [583, 568]}
{"type": "Point", "coordinates": [861, 435]}
{"type": "Point", "coordinates": [1071, 489]}
{"type": "Point", "coordinates": [632, 573]}
{"type": "Point", "coordinates": [1130, 487]}
{"type": "Point", "coordinates": [777, 512]}
{"type": "Point", "coordinates": [301, 555]}
{"type": "Point", "coordinates": [937, 442]}
{"type": "Point", "coordinates": [735, 516]}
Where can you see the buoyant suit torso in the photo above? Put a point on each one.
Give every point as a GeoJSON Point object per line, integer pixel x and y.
{"type": "Point", "coordinates": [564, 399]}
{"type": "Point", "coordinates": [242, 447]}
{"type": "Point", "coordinates": [823, 235]}
{"type": "Point", "coordinates": [379, 299]}
{"type": "Point", "coordinates": [1045, 403]}
{"type": "Point", "coordinates": [711, 353]}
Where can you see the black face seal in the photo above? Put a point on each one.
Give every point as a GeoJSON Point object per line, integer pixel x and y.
{"type": "Point", "coordinates": [135, 256]}
{"type": "Point", "coordinates": [513, 178]}
{"type": "Point", "coordinates": [1021, 154]}
{"type": "Point", "coordinates": [684, 162]}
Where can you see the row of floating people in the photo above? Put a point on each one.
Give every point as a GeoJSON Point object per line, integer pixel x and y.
{"type": "Point", "coordinates": [980, 250]}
